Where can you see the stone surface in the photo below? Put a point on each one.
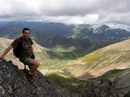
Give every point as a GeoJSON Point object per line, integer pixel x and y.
{"type": "Point", "coordinates": [14, 83]}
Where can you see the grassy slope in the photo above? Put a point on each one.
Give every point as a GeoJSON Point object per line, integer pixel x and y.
{"type": "Point", "coordinates": [115, 56]}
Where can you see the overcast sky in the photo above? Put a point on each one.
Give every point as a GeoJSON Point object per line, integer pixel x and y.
{"type": "Point", "coordinates": [67, 11]}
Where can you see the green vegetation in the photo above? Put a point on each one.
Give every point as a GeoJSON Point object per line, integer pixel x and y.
{"type": "Point", "coordinates": [74, 87]}
{"type": "Point", "coordinates": [63, 53]}
{"type": "Point", "coordinates": [113, 73]}
{"type": "Point", "coordinates": [102, 58]}
{"type": "Point", "coordinates": [54, 63]}
{"type": "Point", "coordinates": [91, 57]}
{"type": "Point", "coordinates": [72, 84]}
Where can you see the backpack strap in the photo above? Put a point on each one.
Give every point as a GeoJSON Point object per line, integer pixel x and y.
{"type": "Point", "coordinates": [20, 41]}
{"type": "Point", "coordinates": [33, 56]}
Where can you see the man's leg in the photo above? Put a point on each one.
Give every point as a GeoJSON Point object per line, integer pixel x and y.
{"type": "Point", "coordinates": [34, 64]}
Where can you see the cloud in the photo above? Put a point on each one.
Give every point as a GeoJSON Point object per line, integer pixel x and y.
{"type": "Point", "coordinates": [87, 19]}
{"type": "Point", "coordinates": [67, 11]}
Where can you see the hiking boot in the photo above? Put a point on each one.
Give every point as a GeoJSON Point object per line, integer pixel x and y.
{"type": "Point", "coordinates": [31, 76]}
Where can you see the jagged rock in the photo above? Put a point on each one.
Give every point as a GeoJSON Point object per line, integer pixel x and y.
{"type": "Point", "coordinates": [95, 87]}
{"type": "Point", "coordinates": [101, 88]}
{"type": "Point", "coordinates": [14, 83]}
{"type": "Point", "coordinates": [128, 94]}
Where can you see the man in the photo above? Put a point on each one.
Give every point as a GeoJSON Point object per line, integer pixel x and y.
{"type": "Point", "coordinates": [26, 52]}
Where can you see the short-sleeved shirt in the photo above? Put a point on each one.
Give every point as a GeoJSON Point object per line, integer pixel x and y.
{"type": "Point", "coordinates": [26, 48]}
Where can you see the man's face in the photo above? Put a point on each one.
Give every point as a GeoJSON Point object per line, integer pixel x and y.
{"type": "Point", "coordinates": [26, 33]}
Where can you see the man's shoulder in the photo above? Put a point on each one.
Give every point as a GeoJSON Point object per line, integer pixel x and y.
{"type": "Point", "coordinates": [16, 41]}
{"type": "Point", "coordinates": [18, 38]}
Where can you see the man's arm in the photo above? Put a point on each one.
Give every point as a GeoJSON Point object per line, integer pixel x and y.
{"type": "Point", "coordinates": [5, 52]}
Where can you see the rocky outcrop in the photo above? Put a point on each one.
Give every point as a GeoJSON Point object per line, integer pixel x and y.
{"type": "Point", "coordinates": [95, 87]}
{"type": "Point", "coordinates": [14, 83]}
{"type": "Point", "coordinates": [101, 88]}
{"type": "Point", "coordinates": [128, 94]}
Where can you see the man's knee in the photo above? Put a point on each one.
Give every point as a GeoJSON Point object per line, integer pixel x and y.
{"type": "Point", "coordinates": [35, 63]}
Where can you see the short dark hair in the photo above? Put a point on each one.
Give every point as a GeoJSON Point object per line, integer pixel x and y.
{"type": "Point", "coordinates": [25, 29]}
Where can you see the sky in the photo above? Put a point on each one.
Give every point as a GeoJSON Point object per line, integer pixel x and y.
{"type": "Point", "coordinates": [67, 11]}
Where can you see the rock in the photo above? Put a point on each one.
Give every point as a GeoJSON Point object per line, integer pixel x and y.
{"type": "Point", "coordinates": [14, 83]}
{"type": "Point", "coordinates": [128, 94]}
{"type": "Point", "coordinates": [101, 88]}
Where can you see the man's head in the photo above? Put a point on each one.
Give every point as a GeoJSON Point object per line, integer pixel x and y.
{"type": "Point", "coordinates": [26, 32]}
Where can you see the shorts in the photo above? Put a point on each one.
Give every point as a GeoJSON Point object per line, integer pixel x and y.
{"type": "Point", "coordinates": [26, 61]}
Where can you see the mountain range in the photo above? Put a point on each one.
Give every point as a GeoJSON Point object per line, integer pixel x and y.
{"type": "Point", "coordinates": [83, 38]}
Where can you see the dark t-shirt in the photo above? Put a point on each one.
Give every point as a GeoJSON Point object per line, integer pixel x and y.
{"type": "Point", "coordinates": [26, 50]}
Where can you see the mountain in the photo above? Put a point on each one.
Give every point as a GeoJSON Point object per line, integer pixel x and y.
{"type": "Point", "coordinates": [103, 73]}
{"type": "Point", "coordinates": [83, 38]}
{"type": "Point", "coordinates": [100, 35]}
{"type": "Point", "coordinates": [115, 56]}
{"type": "Point", "coordinates": [14, 83]}
{"type": "Point", "coordinates": [53, 40]}
{"type": "Point", "coordinates": [72, 87]}
{"type": "Point", "coordinates": [114, 83]}
{"type": "Point", "coordinates": [14, 28]}
{"type": "Point", "coordinates": [112, 62]}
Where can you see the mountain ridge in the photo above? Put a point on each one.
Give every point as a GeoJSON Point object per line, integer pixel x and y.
{"type": "Point", "coordinates": [114, 56]}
